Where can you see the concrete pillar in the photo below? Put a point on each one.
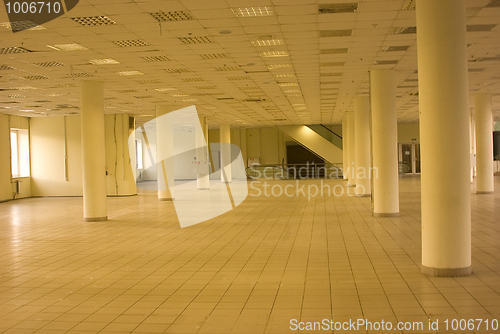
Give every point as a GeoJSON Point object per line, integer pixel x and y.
{"type": "Point", "coordinates": [93, 152]}
{"type": "Point", "coordinates": [225, 154]}
{"type": "Point", "coordinates": [444, 137]}
{"type": "Point", "coordinates": [164, 154]}
{"type": "Point", "coordinates": [202, 180]}
{"type": "Point", "coordinates": [243, 148]}
{"type": "Point", "coordinates": [485, 182]}
{"type": "Point", "coordinates": [345, 149]}
{"type": "Point", "coordinates": [362, 142]}
{"type": "Point", "coordinates": [385, 144]}
{"type": "Point", "coordinates": [351, 146]}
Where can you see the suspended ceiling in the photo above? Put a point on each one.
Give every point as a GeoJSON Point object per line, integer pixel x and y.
{"type": "Point", "coordinates": [247, 63]}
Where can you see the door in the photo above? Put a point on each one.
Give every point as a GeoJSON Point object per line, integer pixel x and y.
{"type": "Point", "coordinates": [410, 154]}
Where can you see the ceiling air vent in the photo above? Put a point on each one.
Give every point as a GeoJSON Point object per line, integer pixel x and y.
{"type": "Point", "coordinates": [192, 79]}
{"type": "Point", "coordinates": [496, 58]}
{"type": "Point", "coordinates": [80, 75]}
{"type": "Point", "coordinates": [225, 98]}
{"type": "Point", "coordinates": [252, 100]}
{"type": "Point", "coordinates": [36, 77]}
{"type": "Point", "coordinates": [93, 21]}
{"type": "Point", "coordinates": [196, 40]}
{"type": "Point", "coordinates": [238, 78]}
{"type": "Point", "coordinates": [130, 43]}
{"type": "Point", "coordinates": [228, 68]}
{"type": "Point", "coordinates": [480, 27]}
{"type": "Point", "coordinates": [206, 87]}
{"type": "Point", "coordinates": [404, 30]}
{"type": "Point", "coordinates": [63, 85]}
{"type": "Point", "coordinates": [208, 56]}
{"type": "Point", "coordinates": [5, 68]}
{"type": "Point", "coordinates": [123, 91]}
{"type": "Point", "coordinates": [334, 33]}
{"type": "Point", "coordinates": [171, 16]}
{"type": "Point", "coordinates": [177, 70]}
{"type": "Point", "coordinates": [156, 58]}
{"type": "Point", "coordinates": [408, 5]}
{"type": "Point", "coordinates": [144, 97]}
{"type": "Point", "coordinates": [49, 64]}
{"type": "Point", "coordinates": [149, 81]}
{"type": "Point", "coordinates": [333, 51]}
{"type": "Point", "coordinates": [334, 8]}
{"type": "Point", "coordinates": [13, 49]}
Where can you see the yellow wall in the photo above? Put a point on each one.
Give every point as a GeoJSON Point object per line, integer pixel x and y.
{"type": "Point", "coordinates": [47, 156]}
{"type": "Point", "coordinates": [408, 133]}
{"type": "Point", "coordinates": [5, 174]}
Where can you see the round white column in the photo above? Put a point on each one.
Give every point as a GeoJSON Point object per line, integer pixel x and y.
{"type": "Point", "coordinates": [485, 182]}
{"type": "Point", "coordinates": [202, 180]}
{"type": "Point", "coordinates": [351, 146]}
{"type": "Point", "coordinates": [164, 154]}
{"type": "Point", "coordinates": [362, 142]}
{"type": "Point", "coordinates": [93, 152]}
{"type": "Point", "coordinates": [345, 150]}
{"type": "Point", "coordinates": [444, 140]}
{"type": "Point", "coordinates": [225, 154]}
{"type": "Point", "coordinates": [385, 144]}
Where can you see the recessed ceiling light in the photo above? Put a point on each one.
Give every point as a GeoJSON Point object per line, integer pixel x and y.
{"type": "Point", "coordinates": [253, 11]}
{"type": "Point", "coordinates": [267, 42]}
{"type": "Point", "coordinates": [196, 40]}
{"type": "Point", "coordinates": [274, 54]}
{"type": "Point", "coordinates": [164, 89]}
{"type": "Point", "coordinates": [156, 58]}
{"type": "Point", "coordinates": [26, 110]}
{"type": "Point", "coordinates": [278, 66]}
{"type": "Point", "coordinates": [67, 47]}
{"type": "Point", "coordinates": [104, 61]}
{"type": "Point", "coordinates": [129, 73]}
{"type": "Point", "coordinates": [179, 95]}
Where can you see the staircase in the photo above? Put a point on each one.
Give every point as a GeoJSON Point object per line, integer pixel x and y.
{"type": "Point", "coordinates": [316, 138]}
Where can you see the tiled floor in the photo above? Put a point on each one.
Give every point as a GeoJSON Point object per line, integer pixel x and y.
{"type": "Point", "coordinates": [251, 270]}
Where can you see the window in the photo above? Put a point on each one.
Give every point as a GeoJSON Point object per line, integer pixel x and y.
{"type": "Point", "coordinates": [20, 154]}
{"type": "Point", "coordinates": [138, 154]}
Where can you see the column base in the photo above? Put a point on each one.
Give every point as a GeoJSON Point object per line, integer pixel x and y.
{"type": "Point", "coordinates": [484, 192]}
{"type": "Point", "coordinates": [95, 219]}
{"type": "Point", "coordinates": [394, 214]}
{"type": "Point", "coordinates": [166, 199]}
{"type": "Point", "coordinates": [364, 195]}
{"type": "Point", "coordinates": [446, 272]}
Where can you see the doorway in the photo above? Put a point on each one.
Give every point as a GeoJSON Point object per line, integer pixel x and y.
{"type": "Point", "coordinates": [409, 153]}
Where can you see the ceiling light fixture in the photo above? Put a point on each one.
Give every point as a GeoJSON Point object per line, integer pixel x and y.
{"type": "Point", "coordinates": [253, 11]}
{"type": "Point", "coordinates": [67, 47]}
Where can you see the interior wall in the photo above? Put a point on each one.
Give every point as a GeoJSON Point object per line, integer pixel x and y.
{"type": "Point", "coordinates": [6, 192]}
{"type": "Point", "coordinates": [47, 156]}
{"type": "Point", "coordinates": [408, 133]}
{"type": "Point", "coordinates": [49, 174]}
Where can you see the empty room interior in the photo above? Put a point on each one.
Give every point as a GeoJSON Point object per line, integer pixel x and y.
{"type": "Point", "coordinates": [250, 166]}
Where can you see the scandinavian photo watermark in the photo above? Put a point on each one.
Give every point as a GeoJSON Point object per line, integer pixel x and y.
{"type": "Point", "coordinates": [367, 325]}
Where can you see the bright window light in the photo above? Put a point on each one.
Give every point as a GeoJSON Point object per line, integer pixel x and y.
{"type": "Point", "coordinates": [20, 155]}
